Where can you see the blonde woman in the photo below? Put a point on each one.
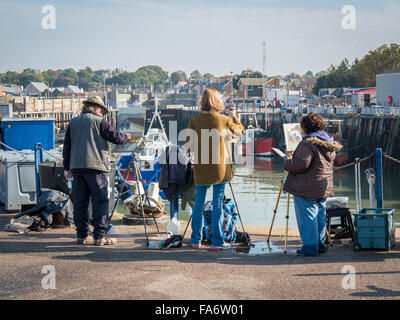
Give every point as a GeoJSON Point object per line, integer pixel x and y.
{"type": "Point", "coordinates": [212, 167]}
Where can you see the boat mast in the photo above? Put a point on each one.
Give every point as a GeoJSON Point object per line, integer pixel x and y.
{"type": "Point", "coordinates": [156, 115]}
{"type": "Point", "coordinates": [264, 92]}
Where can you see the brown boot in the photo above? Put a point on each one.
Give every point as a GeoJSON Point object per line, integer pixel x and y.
{"type": "Point", "coordinates": [82, 241]}
{"type": "Point", "coordinates": [105, 241]}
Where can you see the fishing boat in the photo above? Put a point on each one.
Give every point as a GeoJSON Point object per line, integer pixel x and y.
{"type": "Point", "coordinates": [256, 141]}
{"type": "Point", "coordinates": [155, 143]}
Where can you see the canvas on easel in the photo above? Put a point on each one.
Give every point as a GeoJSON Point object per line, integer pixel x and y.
{"type": "Point", "coordinates": [130, 120]}
{"type": "Point", "coordinates": [293, 135]}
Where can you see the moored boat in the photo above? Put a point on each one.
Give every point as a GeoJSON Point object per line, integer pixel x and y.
{"type": "Point", "coordinates": [256, 141]}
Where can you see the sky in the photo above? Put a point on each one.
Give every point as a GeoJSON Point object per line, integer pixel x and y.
{"type": "Point", "coordinates": [216, 36]}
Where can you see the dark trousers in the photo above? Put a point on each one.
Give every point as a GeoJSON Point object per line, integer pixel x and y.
{"type": "Point", "coordinates": [86, 186]}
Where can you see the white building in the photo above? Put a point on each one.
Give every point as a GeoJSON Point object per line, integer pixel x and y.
{"type": "Point", "coordinates": [72, 90]}
{"type": "Point", "coordinates": [34, 89]}
{"type": "Point", "coordinates": [293, 98]}
{"type": "Point", "coordinates": [388, 88]}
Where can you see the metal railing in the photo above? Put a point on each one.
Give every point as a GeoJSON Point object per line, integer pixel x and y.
{"type": "Point", "coordinates": [384, 111]}
{"type": "Point", "coordinates": [374, 111]}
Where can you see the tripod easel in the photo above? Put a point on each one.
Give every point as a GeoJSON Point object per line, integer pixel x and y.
{"type": "Point", "coordinates": [276, 209]}
{"type": "Point", "coordinates": [133, 165]}
{"type": "Point", "coordinates": [285, 173]}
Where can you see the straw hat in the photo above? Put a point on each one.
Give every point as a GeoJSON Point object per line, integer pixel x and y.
{"type": "Point", "coordinates": [96, 101]}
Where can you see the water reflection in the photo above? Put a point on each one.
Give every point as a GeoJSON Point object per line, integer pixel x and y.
{"type": "Point", "coordinates": [263, 248]}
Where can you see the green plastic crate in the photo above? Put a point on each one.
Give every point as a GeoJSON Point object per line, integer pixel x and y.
{"type": "Point", "coordinates": [374, 229]}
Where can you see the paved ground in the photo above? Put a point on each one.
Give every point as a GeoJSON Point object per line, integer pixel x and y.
{"type": "Point", "coordinates": [131, 271]}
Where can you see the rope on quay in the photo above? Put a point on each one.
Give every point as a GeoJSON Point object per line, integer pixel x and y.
{"type": "Point", "coordinates": [258, 177]}
{"type": "Point", "coordinates": [335, 168]}
{"type": "Point", "coordinates": [50, 155]}
{"type": "Point", "coordinates": [354, 163]}
{"type": "Point", "coordinates": [3, 144]}
{"type": "Point", "coordinates": [386, 156]}
{"type": "Point", "coordinates": [44, 151]}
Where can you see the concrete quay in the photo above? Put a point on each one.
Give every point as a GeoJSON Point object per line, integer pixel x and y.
{"type": "Point", "coordinates": [131, 271]}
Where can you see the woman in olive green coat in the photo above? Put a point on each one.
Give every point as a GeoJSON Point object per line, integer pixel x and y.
{"type": "Point", "coordinates": [208, 135]}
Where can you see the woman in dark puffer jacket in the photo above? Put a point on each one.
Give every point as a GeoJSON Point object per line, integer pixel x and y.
{"type": "Point", "coordinates": [310, 181]}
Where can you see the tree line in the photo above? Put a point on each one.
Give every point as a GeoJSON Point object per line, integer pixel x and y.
{"type": "Point", "coordinates": [362, 72]}
{"type": "Point", "coordinates": [89, 79]}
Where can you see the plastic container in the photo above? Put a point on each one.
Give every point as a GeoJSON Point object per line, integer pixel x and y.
{"type": "Point", "coordinates": [337, 203]}
{"type": "Point", "coordinates": [154, 190]}
{"type": "Point", "coordinates": [25, 133]}
{"type": "Point", "coordinates": [375, 230]}
{"type": "Point", "coordinates": [158, 243]}
{"type": "Point", "coordinates": [17, 178]}
{"type": "Point", "coordinates": [174, 227]}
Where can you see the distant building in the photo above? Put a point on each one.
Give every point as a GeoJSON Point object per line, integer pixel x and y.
{"type": "Point", "coordinates": [363, 97]}
{"type": "Point", "coordinates": [250, 88]}
{"type": "Point", "coordinates": [253, 87]}
{"type": "Point", "coordinates": [12, 89]}
{"type": "Point", "coordinates": [293, 98]}
{"type": "Point", "coordinates": [304, 84]}
{"type": "Point", "coordinates": [118, 100]}
{"type": "Point", "coordinates": [53, 92]}
{"type": "Point", "coordinates": [388, 88]}
{"type": "Point", "coordinates": [35, 89]}
{"type": "Point", "coordinates": [139, 98]}
{"type": "Point", "coordinates": [337, 92]}
{"type": "Point", "coordinates": [223, 85]}
{"type": "Point", "coordinates": [72, 90]}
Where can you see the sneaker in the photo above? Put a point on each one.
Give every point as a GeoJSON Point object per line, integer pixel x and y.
{"type": "Point", "coordinates": [221, 247]}
{"type": "Point", "coordinates": [300, 253]}
{"type": "Point", "coordinates": [105, 241]}
{"type": "Point", "coordinates": [196, 246]}
{"type": "Point", "coordinates": [82, 241]}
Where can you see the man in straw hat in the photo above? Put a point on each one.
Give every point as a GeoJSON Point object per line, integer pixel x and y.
{"type": "Point", "coordinates": [86, 160]}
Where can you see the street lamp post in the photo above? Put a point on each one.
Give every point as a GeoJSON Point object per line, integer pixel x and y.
{"type": "Point", "coordinates": [233, 105]}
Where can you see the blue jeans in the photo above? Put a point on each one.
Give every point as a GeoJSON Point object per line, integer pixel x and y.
{"type": "Point", "coordinates": [311, 220]}
{"type": "Point", "coordinates": [174, 209]}
{"type": "Point", "coordinates": [217, 217]}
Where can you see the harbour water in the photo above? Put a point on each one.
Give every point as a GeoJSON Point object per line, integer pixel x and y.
{"type": "Point", "coordinates": [257, 197]}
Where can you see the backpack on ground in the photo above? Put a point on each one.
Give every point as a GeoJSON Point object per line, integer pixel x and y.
{"type": "Point", "coordinates": [230, 219]}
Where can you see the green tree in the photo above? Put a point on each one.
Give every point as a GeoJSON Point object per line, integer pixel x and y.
{"type": "Point", "coordinates": [208, 75]}
{"type": "Point", "coordinates": [177, 76]}
{"type": "Point", "coordinates": [195, 74]}
{"type": "Point", "coordinates": [309, 74]}
{"type": "Point", "coordinates": [362, 73]}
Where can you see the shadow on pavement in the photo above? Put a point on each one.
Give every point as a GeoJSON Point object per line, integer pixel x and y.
{"type": "Point", "coordinates": [377, 292]}
{"type": "Point", "coordinates": [132, 247]}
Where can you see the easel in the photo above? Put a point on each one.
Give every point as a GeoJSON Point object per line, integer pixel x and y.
{"type": "Point", "coordinates": [139, 180]}
{"type": "Point", "coordinates": [285, 173]}
{"type": "Point", "coordinates": [276, 209]}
